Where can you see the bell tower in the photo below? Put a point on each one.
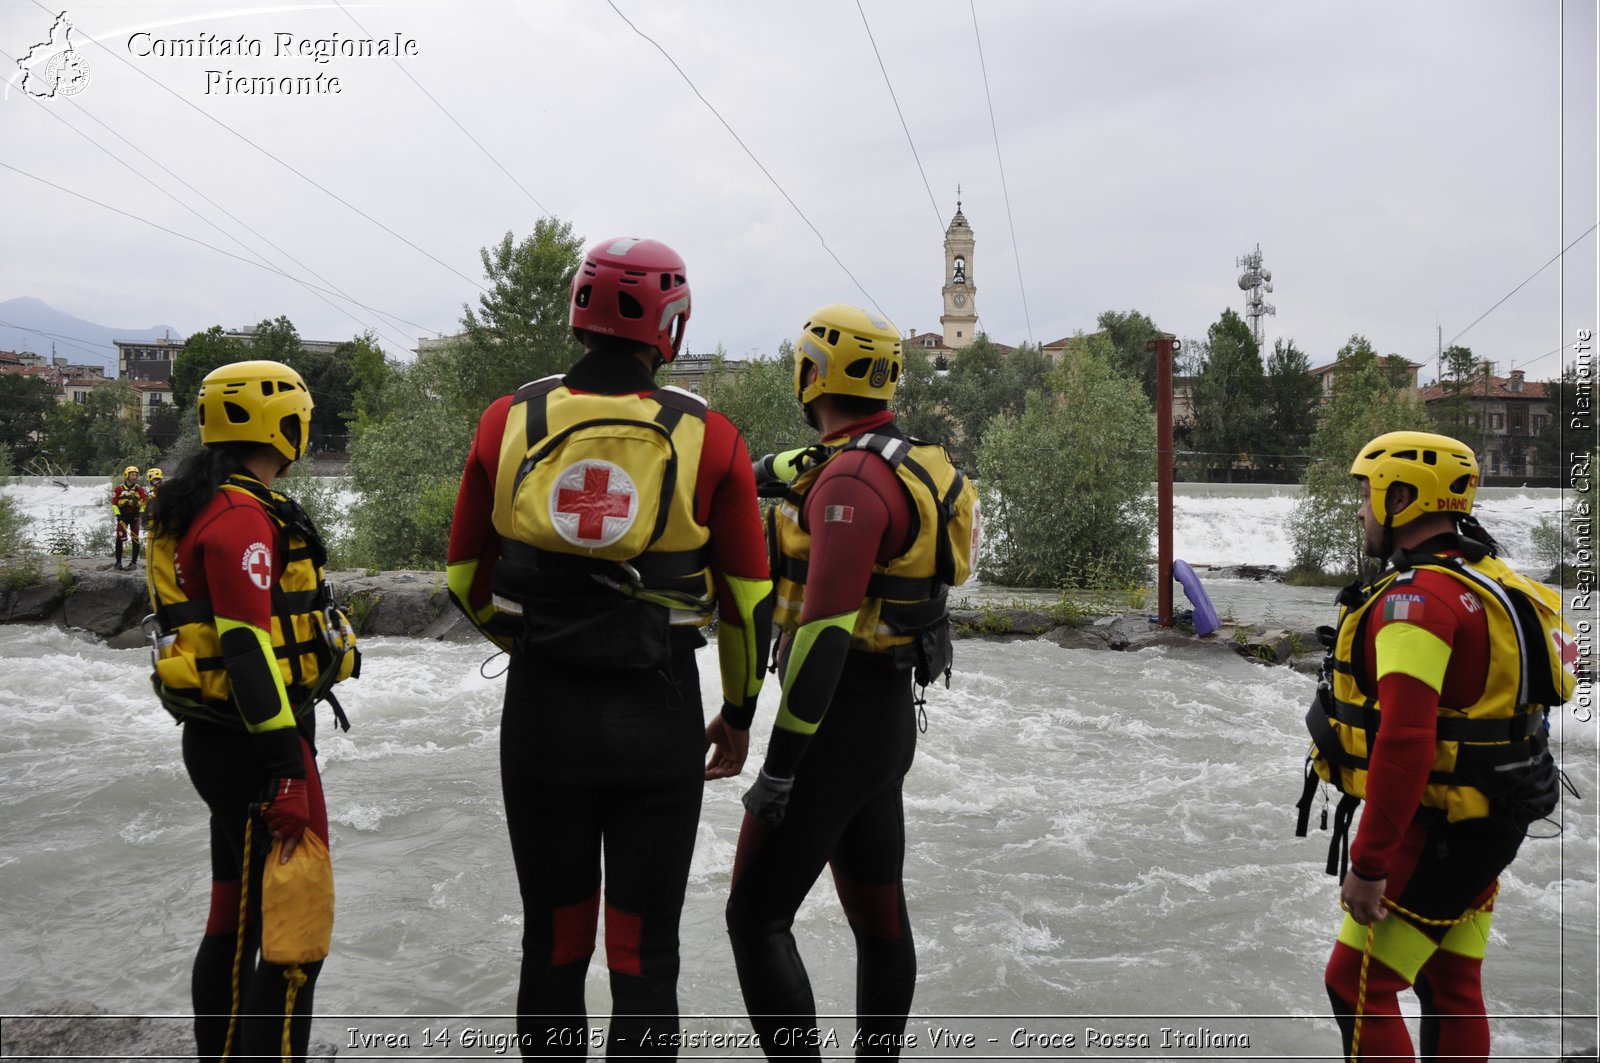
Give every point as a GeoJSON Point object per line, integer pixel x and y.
{"type": "Point", "coordinates": [960, 318]}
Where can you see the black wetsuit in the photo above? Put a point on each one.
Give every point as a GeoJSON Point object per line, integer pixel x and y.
{"type": "Point", "coordinates": [590, 758]}
{"type": "Point", "coordinates": [226, 769]}
{"type": "Point", "coordinates": [845, 811]}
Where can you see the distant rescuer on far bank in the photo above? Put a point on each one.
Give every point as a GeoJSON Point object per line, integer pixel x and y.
{"type": "Point", "coordinates": [1433, 708]}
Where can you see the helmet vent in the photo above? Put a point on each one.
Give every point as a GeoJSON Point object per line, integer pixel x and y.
{"type": "Point", "coordinates": [678, 280]}
{"type": "Point", "coordinates": [1459, 485]}
{"type": "Point", "coordinates": [894, 373]}
{"type": "Point", "coordinates": [1406, 455]}
{"type": "Point", "coordinates": [833, 337]}
{"type": "Point", "coordinates": [236, 414]}
{"type": "Point", "coordinates": [1430, 457]}
{"type": "Point", "coordinates": [858, 368]}
{"type": "Point", "coordinates": [628, 306]}
{"type": "Point", "coordinates": [820, 333]}
{"type": "Point", "coordinates": [581, 300]}
{"type": "Point", "coordinates": [666, 282]}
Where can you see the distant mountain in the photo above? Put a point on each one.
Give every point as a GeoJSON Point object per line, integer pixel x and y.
{"type": "Point", "coordinates": [28, 324]}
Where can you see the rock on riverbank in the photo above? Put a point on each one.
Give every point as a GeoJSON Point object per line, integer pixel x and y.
{"type": "Point", "coordinates": [79, 1030]}
{"type": "Point", "coordinates": [87, 594]}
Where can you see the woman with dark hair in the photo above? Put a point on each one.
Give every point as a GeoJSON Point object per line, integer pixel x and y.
{"type": "Point", "coordinates": [248, 642]}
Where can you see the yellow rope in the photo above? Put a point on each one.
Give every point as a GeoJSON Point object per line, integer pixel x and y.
{"type": "Point", "coordinates": [1366, 953]}
{"type": "Point", "coordinates": [296, 978]}
{"type": "Point", "coordinates": [238, 948]}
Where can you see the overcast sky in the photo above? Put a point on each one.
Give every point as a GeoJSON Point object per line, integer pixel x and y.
{"type": "Point", "coordinates": [1400, 164]}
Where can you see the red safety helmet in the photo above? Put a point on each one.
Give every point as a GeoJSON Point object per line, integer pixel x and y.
{"type": "Point", "coordinates": [635, 289]}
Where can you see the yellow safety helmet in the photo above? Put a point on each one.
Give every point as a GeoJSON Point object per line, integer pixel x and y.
{"type": "Point", "coordinates": [256, 402]}
{"type": "Point", "coordinates": [153, 475]}
{"type": "Point", "coordinates": [856, 352]}
{"type": "Point", "coordinates": [131, 470]}
{"type": "Point", "coordinates": [1443, 471]}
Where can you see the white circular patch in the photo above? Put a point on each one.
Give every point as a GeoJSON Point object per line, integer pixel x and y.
{"type": "Point", "coordinates": [257, 565]}
{"type": "Point", "coordinates": [593, 503]}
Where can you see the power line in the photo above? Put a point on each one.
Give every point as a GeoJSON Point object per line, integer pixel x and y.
{"type": "Point", "coordinates": [325, 191]}
{"type": "Point", "coordinates": [73, 341]}
{"type": "Point", "coordinates": [364, 324]}
{"type": "Point", "coordinates": [173, 232]}
{"type": "Point", "coordinates": [1003, 187]}
{"type": "Point", "coordinates": [748, 152]}
{"type": "Point", "coordinates": [938, 219]}
{"type": "Point", "coordinates": [450, 116]}
{"type": "Point", "coordinates": [1517, 289]}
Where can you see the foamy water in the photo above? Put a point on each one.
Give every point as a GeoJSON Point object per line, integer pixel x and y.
{"type": "Point", "coordinates": [1090, 834]}
{"type": "Point", "coordinates": [1211, 527]}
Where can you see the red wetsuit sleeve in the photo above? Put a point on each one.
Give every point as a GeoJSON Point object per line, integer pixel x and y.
{"type": "Point", "coordinates": [725, 502]}
{"type": "Point", "coordinates": [858, 515]}
{"type": "Point", "coordinates": [239, 577]}
{"type": "Point", "coordinates": [472, 534]}
{"type": "Point", "coordinates": [1403, 754]}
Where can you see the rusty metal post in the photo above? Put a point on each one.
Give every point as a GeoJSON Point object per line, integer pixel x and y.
{"type": "Point", "coordinates": [1163, 347]}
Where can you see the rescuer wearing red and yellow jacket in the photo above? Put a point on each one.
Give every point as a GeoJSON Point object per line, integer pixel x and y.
{"type": "Point", "coordinates": [127, 505]}
{"type": "Point", "coordinates": [601, 521]}
{"type": "Point", "coordinates": [1433, 711]}
{"type": "Point", "coordinates": [873, 529]}
{"type": "Point", "coordinates": [247, 641]}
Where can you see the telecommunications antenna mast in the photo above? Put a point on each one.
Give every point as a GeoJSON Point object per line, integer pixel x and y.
{"type": "Point", "coordinates": [1255, 282]}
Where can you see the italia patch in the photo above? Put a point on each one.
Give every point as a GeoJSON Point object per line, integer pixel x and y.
{"type": "Point", "coordinates": [257, 564]}
{"type": "Point", "coordinates": [838, 514]}
{"type": "Point", "coordinates": [1403, 607]}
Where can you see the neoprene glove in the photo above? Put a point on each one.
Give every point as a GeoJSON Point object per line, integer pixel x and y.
{"type": "Point", "coordinates": [287, 810]}
{"type": "Point", "coordinates": [768, 799]}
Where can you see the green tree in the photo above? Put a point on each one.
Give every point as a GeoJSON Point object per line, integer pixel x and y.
{"type": "Point", "coordinates": [1322, 526]}
{"type": "Point", "coordinates": [202, 352]}
{"type": "Point", "coordinates": [1458, 371]}
{"type": "Point", "coordinates": [519, 331]}
{"type": "Point", "coordinates": [370, 373]}
{"type": "Point", "coordinates": [1569, 429]}
{"type": "Point", "coordinates": [920, 401]}
{"type": "Point", "coordinates": [758, 397]}
{"type": "Point", "coordinates": [276, 340]}
{"type": "Point", "coordinates": [99, 435]}
{"type": "Point", "coordinates": [406, 462]}
{"type": "Point", "coordinates": [1229, 417]}
{"type": "Point", "coordinates": [1128, 333]}
{"type": "Point", "coordinates": [979, 390]}
{"type": "Point", "coordinates": [406, 468]}
{"type": "Point", "coordinates": [1066, 482]}
{"type": "Point", "coordinates": [25, 404]}
{"type": "Point", "coordinates": [1290, 395]}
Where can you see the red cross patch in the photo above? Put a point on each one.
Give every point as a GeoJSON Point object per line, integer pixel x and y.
{"type": "Point", "coordinates": [593, 503]}
{"type": "Point", "coordinates": [257, 565]}
{"type": "Point", "coordinates": [1569, 649]}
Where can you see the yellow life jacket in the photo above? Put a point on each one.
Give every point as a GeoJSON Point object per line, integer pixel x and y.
{"type": "Point", "coordinates": [1494, 748]}
{"type": "Point", "coordinates": [904, 612]}
{"type": "Point", "coordinates": [311, 637]}
{"type": "Point", "coordinates": [594, 502]}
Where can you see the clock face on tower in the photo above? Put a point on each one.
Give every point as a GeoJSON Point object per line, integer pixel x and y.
{"type": "Point", "coordinates": [959, 299]}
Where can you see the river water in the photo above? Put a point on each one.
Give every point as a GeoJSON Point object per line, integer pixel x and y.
{"type": "Point", "coordinates": [1099, 844]}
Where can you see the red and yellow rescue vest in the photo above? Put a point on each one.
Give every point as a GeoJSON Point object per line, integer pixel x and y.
{"type": "Point", "coordinates": [1480, 749]}
{"type": "Point", "coordinates": [312, 639]}
{"type": "Point", "coordinates": [907, 595]}
{"type": "Point", "coordinates": [610, 480]}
